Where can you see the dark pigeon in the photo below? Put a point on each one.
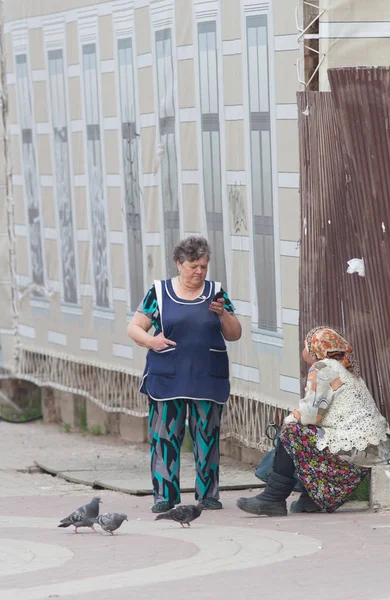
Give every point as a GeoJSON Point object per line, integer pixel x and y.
{"type": "Point", "coordinates": [182, 514]}
{"type": "Point", "coordinates": [111, 521]}
{"type": "Point", "coordinates": [85, 516]}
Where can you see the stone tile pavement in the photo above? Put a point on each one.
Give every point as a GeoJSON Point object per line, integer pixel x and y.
{"type": "Point", "coordinates": [225, 554]}
{"type": "Point", "coordinates": [109, 463]}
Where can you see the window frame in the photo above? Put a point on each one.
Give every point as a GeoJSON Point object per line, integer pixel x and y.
{"type": "Point", "coordinates": [21, 49]}
{"type": "Point", "coordinates": [200, 14]}
{"type": "Point", "coordinates": [48, 49]}
{"type": "Point", "coordinates": [86, 40]}
{"type": "Point", "coordinates": [266, 336]}
{"type": "Point", "coordinates": [129, 36]}
{"type": "Point", "coordinates": [210, 122]}
{"type": "Point", "coordinates": [167, 122]}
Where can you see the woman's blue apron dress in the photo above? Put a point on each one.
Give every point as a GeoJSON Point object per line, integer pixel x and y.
{"type": "Point", "coordinates": [194, 373]}
{"type": "Point", "coordinates": [197, 368]}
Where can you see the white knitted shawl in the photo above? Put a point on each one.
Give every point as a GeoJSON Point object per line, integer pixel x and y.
{"type": "Point", "coordinates": [353, 419]}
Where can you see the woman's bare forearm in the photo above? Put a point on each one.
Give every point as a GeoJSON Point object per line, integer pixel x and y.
{"type": "Point", "coordinates": [231, 327]}
{"type": "Point", "coordinates": [138, 329]}
{"type": "Point", "coordinates": [139, 335]}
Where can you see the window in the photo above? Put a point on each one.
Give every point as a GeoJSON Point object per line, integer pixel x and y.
{"type": "Point", "coordinates": [166, 113]}
{"type": "Point", "coordinates": [208, 73]}
{"type": "Point", "coordinates": [261, 171]}
{"type": "Point", "coordinates": [130, 170]}
{"type": "Point", "coordinates": [62, 171]}
{"type": "Point", "coordinates": [30, 169]}
{"type": "Point", "coordinates": [95, 177]}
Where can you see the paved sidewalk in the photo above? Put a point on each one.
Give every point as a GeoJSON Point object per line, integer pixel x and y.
{"type": "Point", "coordinates": [225, 554]}
{"type": "Point", "coordinates": [109, 463]}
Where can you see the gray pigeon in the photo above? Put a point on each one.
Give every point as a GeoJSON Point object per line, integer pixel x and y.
{"type": "Point", "coordinates": [85, 516]}
{"type": "Point", "coordinates": [111, 521]}
{"type": "Point", "coordinates": [182, 514]}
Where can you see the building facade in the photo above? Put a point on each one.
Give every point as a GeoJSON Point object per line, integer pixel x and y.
{"type": "Point", "coordinates": [134, 123]}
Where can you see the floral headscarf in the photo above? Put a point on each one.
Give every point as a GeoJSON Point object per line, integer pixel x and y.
{"type": "Point", "coordinates": [324, 342]}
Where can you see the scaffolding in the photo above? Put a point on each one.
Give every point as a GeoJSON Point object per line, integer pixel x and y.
{"type": "Point", "coordinates": [307, 16]}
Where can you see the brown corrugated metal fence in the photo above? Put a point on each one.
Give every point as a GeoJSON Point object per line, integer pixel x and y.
{"type": "Point", "coordinates": [345, 212]}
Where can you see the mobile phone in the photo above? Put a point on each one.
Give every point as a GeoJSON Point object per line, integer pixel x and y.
{"type": "Point", "coordinates": [217, 296]}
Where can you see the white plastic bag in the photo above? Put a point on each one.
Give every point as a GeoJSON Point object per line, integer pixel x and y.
{"type": "Point", "coordinates": [356, 265]}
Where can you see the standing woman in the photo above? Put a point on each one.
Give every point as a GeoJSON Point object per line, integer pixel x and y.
{"type": "Point", "coordinates": [186, 366]}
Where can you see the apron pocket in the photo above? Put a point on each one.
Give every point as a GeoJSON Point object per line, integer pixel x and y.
{"type": "Point", "coordinates": [219, 363]}
{"type": "Point", "coordinates": [162, 363]}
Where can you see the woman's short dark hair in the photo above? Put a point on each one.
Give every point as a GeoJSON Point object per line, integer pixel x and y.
{"type": "Point", "coordinates": [191, 249]}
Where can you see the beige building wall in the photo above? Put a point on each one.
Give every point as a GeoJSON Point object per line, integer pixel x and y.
{"type": "Point", "coordinates": [264, 364]}
{"type": "Point", "coordinates": [358, 12]}
{"type": "Point", "coordinates": [353, 34]}
{"type": "Point", "coordinates": [361, 51]}
{"type": "Point", "coordinates": [6, 324]}
{"type": "Point", "coordinates": [286, 86]}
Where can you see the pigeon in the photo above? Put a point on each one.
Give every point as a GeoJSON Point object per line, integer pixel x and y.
{"type": "Point", "coordinates": [182, 514]}
{"type": "Point", "coordinates": [85, 516]}
{"type": "Point", "coordinates": [111, 521]}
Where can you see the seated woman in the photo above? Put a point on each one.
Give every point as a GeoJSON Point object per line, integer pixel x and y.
{"type": "Point", "coordinates": [336, 420]}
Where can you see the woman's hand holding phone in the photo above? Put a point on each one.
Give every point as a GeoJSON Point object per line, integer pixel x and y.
{"type": "Point", "coordinates": [217, 304]}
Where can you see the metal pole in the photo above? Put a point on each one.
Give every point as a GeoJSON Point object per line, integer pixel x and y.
{"type": "Point", "coordinates": [10, 204]}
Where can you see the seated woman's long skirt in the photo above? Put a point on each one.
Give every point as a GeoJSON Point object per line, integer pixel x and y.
{"type": "Point", "coordinates": [328, 479]}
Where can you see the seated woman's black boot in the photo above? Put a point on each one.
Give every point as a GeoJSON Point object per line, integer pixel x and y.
{"type": "Point", "coordinates": [304, 504]}
{"type": "Point", "coordinates": [272, 502]}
